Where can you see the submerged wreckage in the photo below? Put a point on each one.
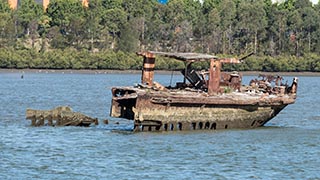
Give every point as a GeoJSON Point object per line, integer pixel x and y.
{"type": "Point", "coordinates": [211, 100]}
{"type": "Point", "coordinates": [59, 116]}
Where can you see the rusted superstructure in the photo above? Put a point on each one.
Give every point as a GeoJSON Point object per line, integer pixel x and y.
{"type": "Point", "coordinates": [204, 100]}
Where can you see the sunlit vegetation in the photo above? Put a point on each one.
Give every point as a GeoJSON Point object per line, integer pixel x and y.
{"type": "Point", "coordinates": [106, 35]}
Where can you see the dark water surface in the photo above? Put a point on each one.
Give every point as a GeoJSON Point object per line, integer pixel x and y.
{"type": "Point", "coordinates": [287, 148]}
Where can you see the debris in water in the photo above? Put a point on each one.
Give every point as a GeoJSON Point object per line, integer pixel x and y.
{"type": "Point", "coordinates": [59, 116]}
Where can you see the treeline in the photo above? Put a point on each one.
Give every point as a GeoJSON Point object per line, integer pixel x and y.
{"type": "Point", "coordinates": [105, 35]}
{"type": "Point", "coordinates": [75, 59]}
{"type": "Point", "coordinates": [83, 59]}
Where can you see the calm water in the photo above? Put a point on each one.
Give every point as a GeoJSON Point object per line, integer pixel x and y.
{"type": "Point", "coordinates": [287, 148]}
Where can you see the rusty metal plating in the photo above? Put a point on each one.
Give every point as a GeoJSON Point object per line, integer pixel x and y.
{"type": "Point", "coordinates": [209, 99]}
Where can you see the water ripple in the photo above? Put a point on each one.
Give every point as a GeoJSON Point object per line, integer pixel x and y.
{"type": "Point", "coordinates": [288, 148]}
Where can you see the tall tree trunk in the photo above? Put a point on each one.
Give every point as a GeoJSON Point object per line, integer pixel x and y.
{"type": "Point", "coordinates": [142, 47]}
{"type": "Point", "coordinates": [229, 40]}
{"type": "Point", "coordinates": [309, 39]}
{"type": "Point", "coordinates": [92, 42]}
{"type": "Point", "coordinates": [113, 41]}
{"type": "Point", "coordinates": [15, 28]}
{"type": "Point", "coordinates": [297, 48]}
{"type": "Point", "coordinates": [224, 42]}
{"type": "Point", "coordinates": [255, 41]}
{"type": "Point", "coordinates": [272, 52]}
{"type": "Point", "coordinates": [280, 39]}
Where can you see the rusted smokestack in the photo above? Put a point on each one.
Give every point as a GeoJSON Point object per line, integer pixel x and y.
{"type": "Point", "coordinates": [214, 77]}
{"type": "Point", "coordinates": [148, 68]}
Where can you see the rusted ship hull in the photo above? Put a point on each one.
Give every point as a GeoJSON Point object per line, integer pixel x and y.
{"type": "Point", "coordinates": [170, 111]}
{"type": "Point", "coordinates": [207, 118]}
{"type": "Point", "coordinates": [209, 100]}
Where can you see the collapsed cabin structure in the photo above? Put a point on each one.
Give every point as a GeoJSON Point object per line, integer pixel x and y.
{"type": "Point", "coordinates": [203, 100]}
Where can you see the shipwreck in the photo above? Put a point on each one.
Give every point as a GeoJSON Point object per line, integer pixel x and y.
{"type": "Point", "coordinates": [204, 100]}
{"type": "Point", "coordinates": [59, 116]}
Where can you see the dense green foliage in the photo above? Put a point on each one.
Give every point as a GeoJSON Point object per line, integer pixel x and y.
{"type": "Point", "coordinates": [284, 37]}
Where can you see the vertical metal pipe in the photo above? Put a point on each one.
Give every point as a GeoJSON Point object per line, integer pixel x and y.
{"type": "Point", "coordinates": [214, 77]}
{"type": "Point", "coordinates": [148, 69]}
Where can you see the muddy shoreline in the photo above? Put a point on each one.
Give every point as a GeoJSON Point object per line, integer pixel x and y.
{"type": "Point", "coordinates": [88, 71]}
